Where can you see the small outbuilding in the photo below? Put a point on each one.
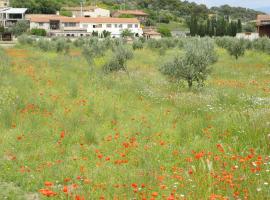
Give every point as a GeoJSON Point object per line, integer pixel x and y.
{"type": "Point", "coordinates": [151, 34]}
{"type": "Point", "coordinates": [263, 25]}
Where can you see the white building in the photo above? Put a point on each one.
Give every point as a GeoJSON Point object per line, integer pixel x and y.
{"type": "Point", "coordinates": [89, 11]}
{"type": "Point", "coordinates": [56, 25]}
{"type": "Point", "coordinates": [247, 36]}
{"type": "Point", "coordinates": [4, 3]}
{"type": "Point", "coordinates": [10, 16]}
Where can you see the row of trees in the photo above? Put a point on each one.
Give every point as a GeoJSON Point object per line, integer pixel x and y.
{"type": "Point", "coordinates": [214, 27]}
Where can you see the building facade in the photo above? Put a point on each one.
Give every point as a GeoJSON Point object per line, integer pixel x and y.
{"type": "Point", "coordinates": [263, 25]}
{"type": "Point", "coordinates": [10, 16]}
{"type": "Point", "coordinates": [89, 11]}
{"type": "Point", "coordinates": [56, 25]}
{"type": "Point", "coordinates": [4, 3]}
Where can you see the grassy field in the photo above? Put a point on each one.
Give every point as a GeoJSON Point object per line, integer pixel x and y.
{"type": "Point", "coordinates": [67, 133]}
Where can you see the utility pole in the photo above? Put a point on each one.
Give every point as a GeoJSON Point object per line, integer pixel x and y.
{"type": "Point", "coordinates": [82, 2]}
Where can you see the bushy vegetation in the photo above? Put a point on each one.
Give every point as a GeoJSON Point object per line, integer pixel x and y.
{"type": "Point", "coordinates": [214, 27]}
{"type": "Point", "coordinates": [5, 62]}
{"type": "Point", "coordinates": [194, 65]}
{"type": "Point", "coordinates": [19, 28]}
{"type": "Point", "coordinates": [262, 44]}
{"type": "Point", "coordinates": [119, 59]}
{"type": "Point", "coordinates": [137, 44]}
{"type": "Point", "coordinates": [127, 33]}
{"type": "Point", "coordinates": [237, 47]}
{"type": "Point", "coordinates": [165, 32]}
{"type": "Point", "coordinates": [38, 32]}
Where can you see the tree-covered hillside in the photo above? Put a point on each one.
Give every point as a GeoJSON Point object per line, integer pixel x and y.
{"type": "Point", "coordinates": [157, 8]}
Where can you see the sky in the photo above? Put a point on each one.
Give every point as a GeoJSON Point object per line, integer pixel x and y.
{"type": "Point", "coordinates": [243, 3]}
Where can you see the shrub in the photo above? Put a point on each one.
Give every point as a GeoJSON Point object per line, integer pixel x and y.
{"type": "Point", "coordinates": [38, 32]}
{"type": "Point", "coordinates": [165, 32]}
{"type": "Point", "coordinates": [223, 42]}
{"type": "Point", "coordinates": [119, 59]}
{"type": "Point", "coordinates": [154, 44]}
{"type": "Point", "coordinates": [44, 45]}
{"type": "Point", "coordinates": [62, 45]}
{"type": "Point", "coordinates": [236, 48]}
{"type": "Point", "coordinates": [93, 48]}
{"type": "Point", "coordinates": [194, 64]}
{"type": "Point", "coordinates": [127, 33]}
{"type": "Point", "coordinates": [20, 27]}
{"type": "Point", "coordinates": [79, 42]}
{"type": "Point", "coordinates": [262, 44]}
{"type": "Point", "coordinates": [2, 29]}
{"type": "Point", "coordinates": [137, 44]}
{"type": "Point", "coordinates": [105, 34]}
{"type": "Point", "coordinates": [24, 39]}
{"type": "Point", "coordinates": [65, 13]}
{"type": "Point", "coordinates": [95, 34]}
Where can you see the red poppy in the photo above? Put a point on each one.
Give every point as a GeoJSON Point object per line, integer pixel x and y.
{"type": "Point", "coordinates": [77, 197]}
{"type": "Point", "coordinates": [62, 135]}
{"type": "Point", "coordinates": [154, 194]}
{"type": "Point", "coordinates": [65, 189]}
{"type": "Point", "coordinates": [48, 184]}
{"type": "Point", "coordinates": [47, 192]}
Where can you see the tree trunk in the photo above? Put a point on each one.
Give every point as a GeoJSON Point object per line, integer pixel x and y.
{"type": "Point", "coordinates": [190, 83]}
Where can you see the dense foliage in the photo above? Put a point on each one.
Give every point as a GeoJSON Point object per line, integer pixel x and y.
{"type": "Point", "coordinates": [159, 10]}
{"type": "Point", "coordinates": [214, 27]}
{"type": "Point", "coordinates": [38, 32]}
{"type": "Point", "coordinates": [193, 66]}
{"type": "Point", "coordinates": [236, 12]}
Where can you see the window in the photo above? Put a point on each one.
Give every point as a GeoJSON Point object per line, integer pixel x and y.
{"type": "Point", "coordinates": [120, 25]}
{"type": "Point", "coordinates": [109, 26]}
{"type": "Point", "coordinates": [40, 23]}
{"type": "Point", "coordinates": [129, 25]}
{"type": "Point", "coordinates": [70, 24]}
{"type": "Point", "coordinates": [136, 25]}
{"type": "Point", "coordinates": [115, 26]}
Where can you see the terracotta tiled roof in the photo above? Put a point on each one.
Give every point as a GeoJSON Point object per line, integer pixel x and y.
{"type": "Point", "coordinates": [47, 18]}
{"type": "Point", "coordinates": [262, 19]}
{"type": "Point", "coordinates": [107, 20]}
{"type": "Point", "coordinates": [133, 12]}
{"type": "Point", "coordinates": [88, 8]}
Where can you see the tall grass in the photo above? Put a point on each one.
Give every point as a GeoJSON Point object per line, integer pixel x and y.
{"type": "Point", "coordinates": [129, 137]}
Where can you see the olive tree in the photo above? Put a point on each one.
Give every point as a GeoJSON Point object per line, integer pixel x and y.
{"type": "Point", "coordinates": [119, 59]}
{"type": "Point", "coordinates": [236, 48]}
{"type": "Point", "coordinates": [194, 65]}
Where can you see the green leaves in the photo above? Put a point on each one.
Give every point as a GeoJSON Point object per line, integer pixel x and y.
{"type": "Point", "coordinates": [194, 65]}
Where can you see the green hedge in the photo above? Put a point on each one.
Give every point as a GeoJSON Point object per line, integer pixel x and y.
{"type": "Point", "coordinates": [39, 32]}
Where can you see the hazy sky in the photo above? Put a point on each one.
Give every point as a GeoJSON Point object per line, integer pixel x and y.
{"type": "Point", "coordinates": [242, 3]}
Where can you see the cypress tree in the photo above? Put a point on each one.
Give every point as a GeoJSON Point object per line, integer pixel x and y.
{"type": "Point", "coordinates": [239, 26]}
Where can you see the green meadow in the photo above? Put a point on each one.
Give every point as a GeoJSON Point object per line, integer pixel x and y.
{"type": "Point", "coordinates": [71, 132]}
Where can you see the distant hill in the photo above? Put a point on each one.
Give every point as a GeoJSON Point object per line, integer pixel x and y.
{"type": "Point", "coordinates": [164, 10]}
{"type": "Point", "coordinates": [237, 12]}
{"type": "Point", "coordinates": [264, 9]}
